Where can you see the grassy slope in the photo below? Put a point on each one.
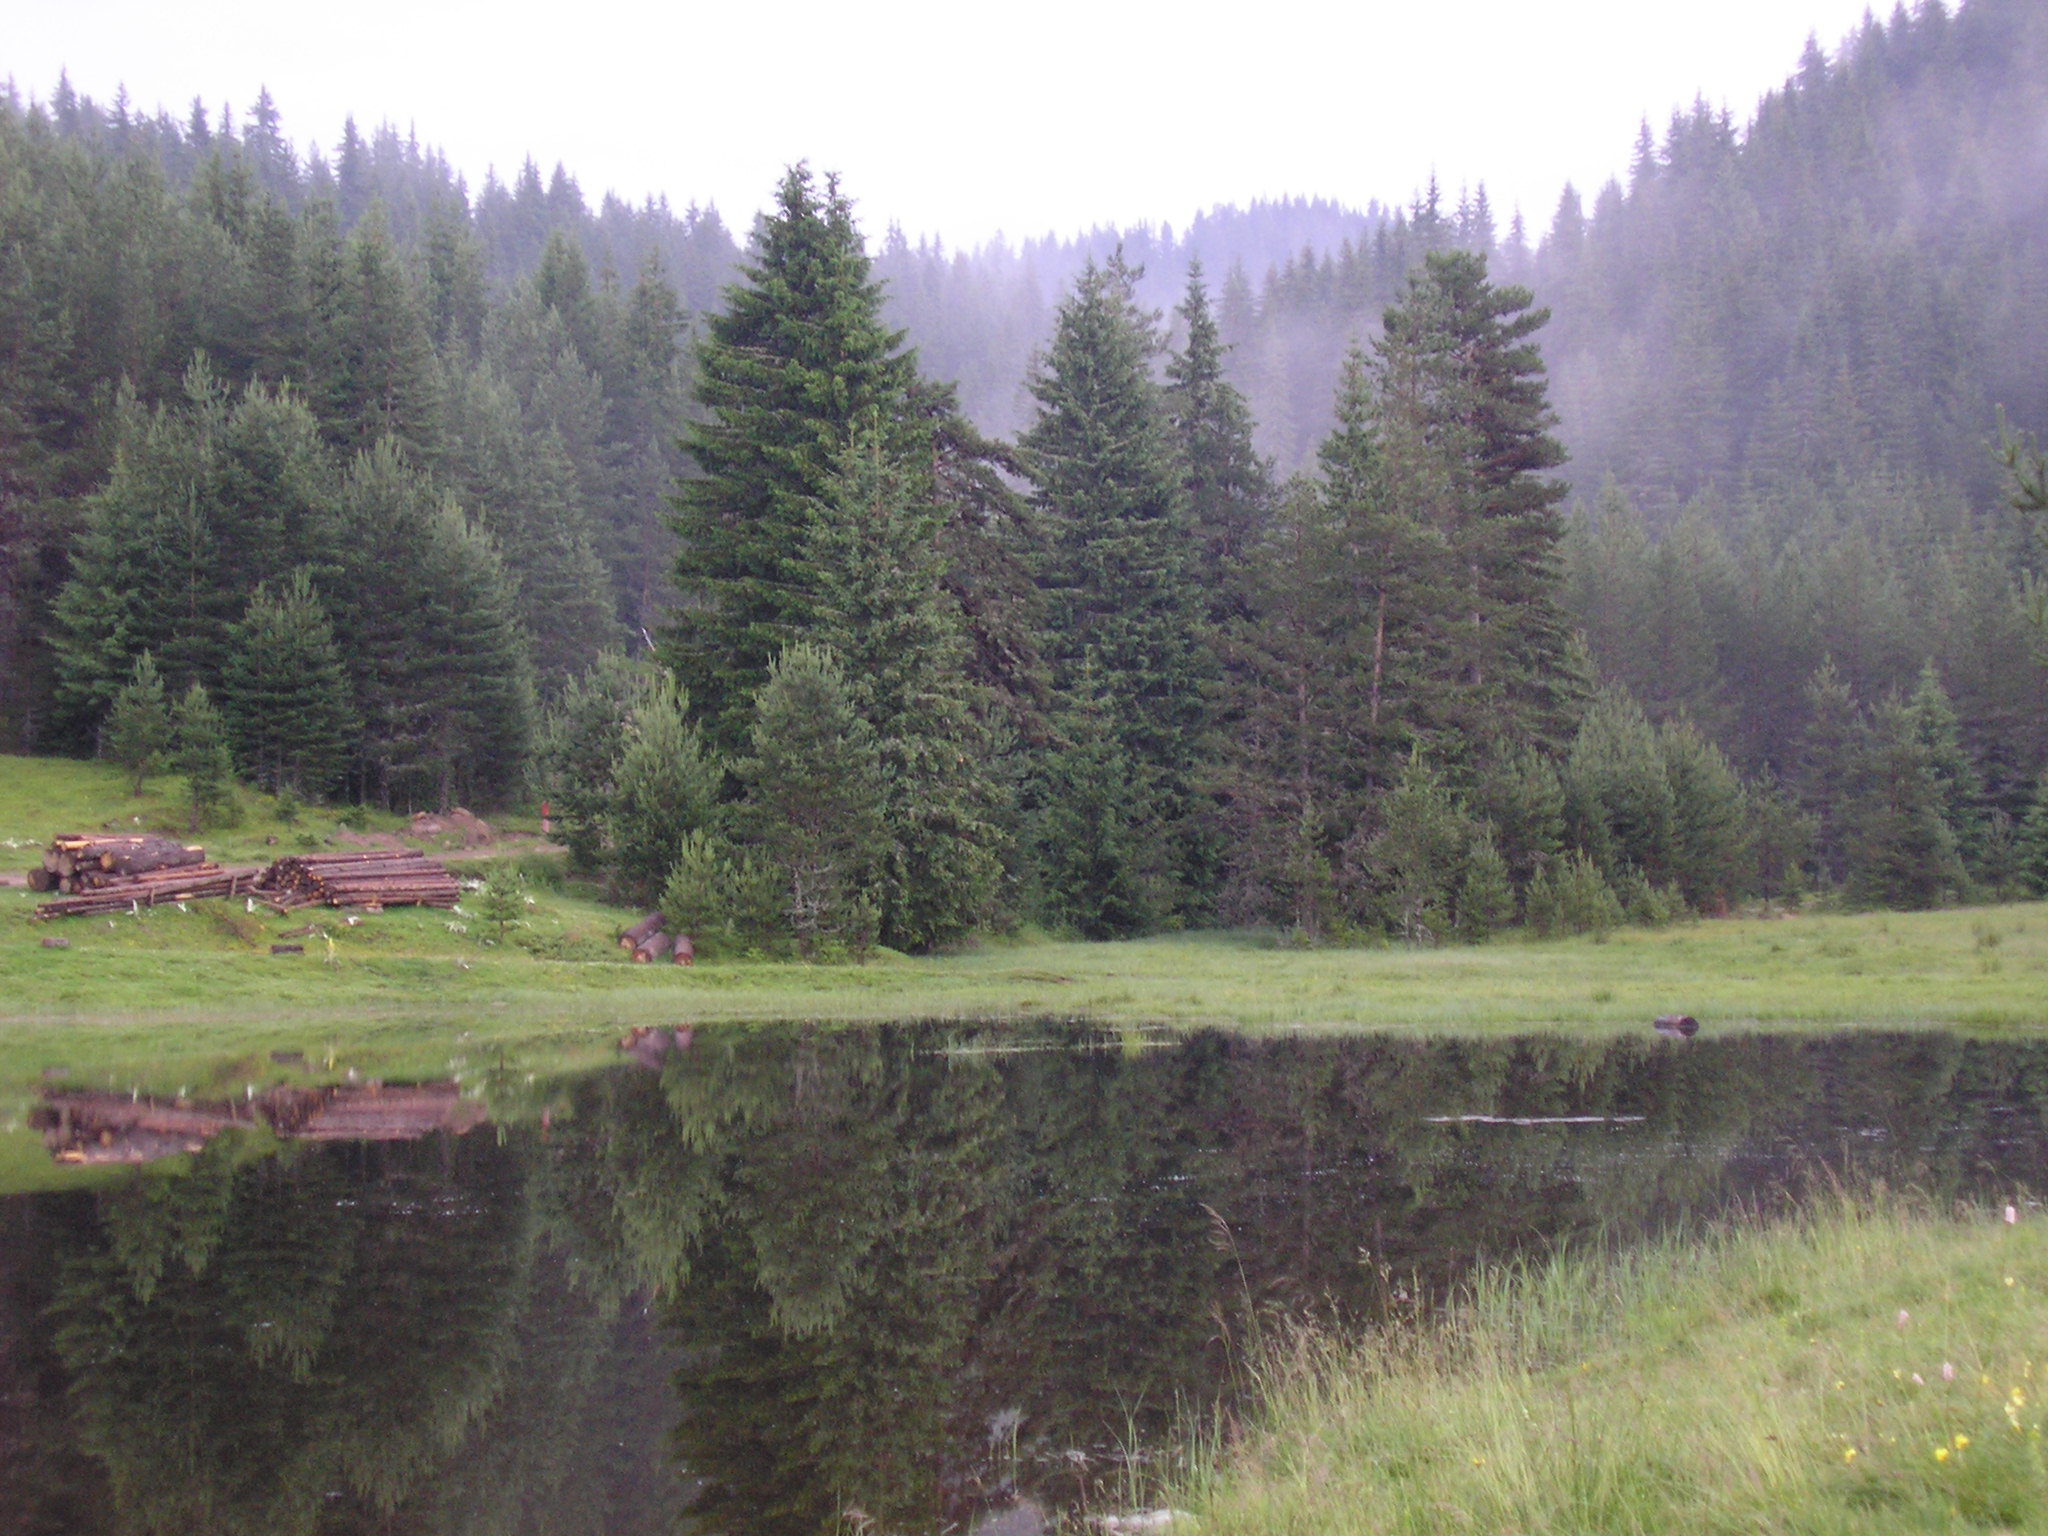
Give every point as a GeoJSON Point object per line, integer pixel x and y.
{"type": "Point", "coordinates": [1862, 1371]}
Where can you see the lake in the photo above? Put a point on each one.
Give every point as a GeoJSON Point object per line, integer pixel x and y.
{"type": "Point", "coordinates": [907, 1279]}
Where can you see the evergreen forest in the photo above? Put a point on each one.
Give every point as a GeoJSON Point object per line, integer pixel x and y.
{"type": "Point", "coordinates": [1411, 573]}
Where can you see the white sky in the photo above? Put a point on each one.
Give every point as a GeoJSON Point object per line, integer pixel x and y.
{"type": "Point", "coordinates": [962, 120]}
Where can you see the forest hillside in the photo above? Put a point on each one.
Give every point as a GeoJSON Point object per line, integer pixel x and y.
{"type": "Point", "coordinates": [1406, 571]}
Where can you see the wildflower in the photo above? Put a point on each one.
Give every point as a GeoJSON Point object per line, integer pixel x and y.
{"type": "Point", "coordinates": [1906, 1317]}
{"type": "Point", "coordinates": [1478, 1461]}
{"type": "Point", "coordinates": [2008, 1279]}
{"type": "Point", "coordinates": [1948, 1371]}
{"type": "Point", "coordinates": [1849, 1455]}
{"type": "Point", "coordinates": [1917, 1381]}
{"type": "Point", "coordinates": [2012, 1216]}
{"type": "Point", "coordinates": [1941, 1453]}
{"type": "Point", "coordinates": [1962, 1442]}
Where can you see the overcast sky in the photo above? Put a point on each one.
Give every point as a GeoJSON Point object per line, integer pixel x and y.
{"type": "Point", "coordinates": [962, 120]}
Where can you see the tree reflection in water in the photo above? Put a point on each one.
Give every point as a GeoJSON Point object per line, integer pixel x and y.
{"type": "Point", "coordinates": [801, 1276]}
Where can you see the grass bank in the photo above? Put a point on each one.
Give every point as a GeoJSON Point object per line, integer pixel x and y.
{"type": "Point", "coordinates": [1871, 1368]}
{"type": "Point", "coordinates": [165, 998]}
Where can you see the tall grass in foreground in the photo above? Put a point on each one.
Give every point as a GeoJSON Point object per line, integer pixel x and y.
{"type": "Point", "coordinates": [1870, 1367]}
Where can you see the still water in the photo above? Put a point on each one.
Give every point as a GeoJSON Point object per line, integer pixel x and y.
{"type": "Point", "coordinates": [900, 1279]}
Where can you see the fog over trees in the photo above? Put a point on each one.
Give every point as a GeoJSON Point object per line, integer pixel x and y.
{"type": "Point", "coordinates": [1406, 571]}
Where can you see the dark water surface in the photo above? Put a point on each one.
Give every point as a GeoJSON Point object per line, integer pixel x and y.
{"type": "Point", "coordinates": [794, 1280]}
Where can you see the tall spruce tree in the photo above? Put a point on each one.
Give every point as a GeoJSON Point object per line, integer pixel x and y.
{"type": "Point", "coordinates": [1459, 370]}
{"type": "Point", "coordinates": [798, 355]}
{"type": "Point", "coordinates": [1285, 721]}
{"type": "Point", "coordinates": [426, 624]}
{"type": "Point", "coordinates": [1227, 485]}
{"type": "Point", "coordinates": [884, 609]}
{"type": "Point", "coordinates": [285, 693]}
{"type": "Point", "coordinates": [1120, 609]}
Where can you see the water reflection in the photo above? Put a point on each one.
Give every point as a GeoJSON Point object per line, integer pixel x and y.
{"type": "Point", "coordinates": [760, 1281]}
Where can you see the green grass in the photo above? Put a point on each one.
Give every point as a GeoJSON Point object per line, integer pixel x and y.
{"type": "Point", "coordinates": [168, 997]}
{"type": "Point", "coordinates": [41, 797]}
{"type": "Point", "coordinates": [1866, 1369]}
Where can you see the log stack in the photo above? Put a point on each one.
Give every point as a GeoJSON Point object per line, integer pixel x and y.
{"type": "Point", "coordinates": [371, 878]}
{"type": "Point", "coordinates": [647, 941]}
{"type": "Point", "coordinates": [74, 864]}
{"type": "Point", "coordinates": [97, 876]}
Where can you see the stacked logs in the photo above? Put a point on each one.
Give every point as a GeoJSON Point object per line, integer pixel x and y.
{"type": "Point", "coordinates": [373, 879]}
{"type": "Point", "coordinates": [100, 876]}
{"type": "Point", "coordinates": [74, 864]}
{"type": "Point", "coordinates": [647, 943]}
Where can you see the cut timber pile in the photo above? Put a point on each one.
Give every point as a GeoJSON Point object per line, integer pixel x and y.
{"type": "Point", "coordinates": [101, 875]}
{"type": "Point", "coordinates": [395, 878]}
{"type": "Point", "coordinates": [646, 942]}
{"type": "Point", "coordinates": [73, 864]}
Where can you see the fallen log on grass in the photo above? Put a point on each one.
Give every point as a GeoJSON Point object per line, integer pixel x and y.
{"type": "Point", "coordinates": [646, 928]}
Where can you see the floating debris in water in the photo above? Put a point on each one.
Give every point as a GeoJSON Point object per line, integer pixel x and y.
{"type": "Point", "coordinates": [1534, 1119]}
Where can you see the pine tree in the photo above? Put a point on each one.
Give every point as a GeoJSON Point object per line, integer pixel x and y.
{"type": "Point", "coordinates": [202, 754]}
{"type": "Point", "coordinates": [1833, 757]}
{"type": "Point", "coordinates": [1618, 800]}
{"type": "Point", "coordinates": [1711, 852]}
{"type": "Point", "coordinates": [1120, 608]}
{"type": "Point", "coordinates": [884, 609]}
{"type": "Point", "coordinates": [1460, 378]}
{"type": "Point", "coordinates": [1521, 796]}
{"type": "Point", "coordinates": [285, 693]}
{"type": "Point", "coordinates": [1288, 720]}
{"type": "Point", "coordinates": [1228, 487]}
{"type": "Point", "coordinates": [581, 740]}
{"type": "Point", "coordinates": [426, 626]}
{"type": "Point", "coordinates": [665, 788]}
{"type": "Point", "coordinates": [1413, 862]}
{"type": "Point", "coordinates": [813, 807]}
{"type": "Point", "coordinates": [1095, 854]}
{"type": "Point", "coordinates": [524, 482]}
{"type": "Point", "coordinates": [208, 498]}
{"type": "Point", "coordinates": [1901, 852]}
{"type": "Point", "coordinates": [138, 728]}
{"type": "Point", "coordinates": [1961, 786]}
{"type": "Point", "coordinates": [798, 355]}
{"type": "Point", "coordinates": [1387, 499]}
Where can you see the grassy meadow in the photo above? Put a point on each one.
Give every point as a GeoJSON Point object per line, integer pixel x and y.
{"type": "Point", "coordinates": [160, 990]}
{"type": "Point", "coordinates": [1866, 1368]}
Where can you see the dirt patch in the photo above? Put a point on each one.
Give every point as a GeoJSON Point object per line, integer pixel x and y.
{"type": "Point", "coordinates": [472, 829]}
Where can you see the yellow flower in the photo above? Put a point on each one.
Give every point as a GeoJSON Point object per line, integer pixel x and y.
{"type": "Point", "coordinates": [1962, 1442]}
{"type": "Point", "coordinates": [1849, 1455]}
{"type": "Point", "coordinates": [1941, 1453]}
{"type": "Point", "coordinates": [2008, 1279]}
